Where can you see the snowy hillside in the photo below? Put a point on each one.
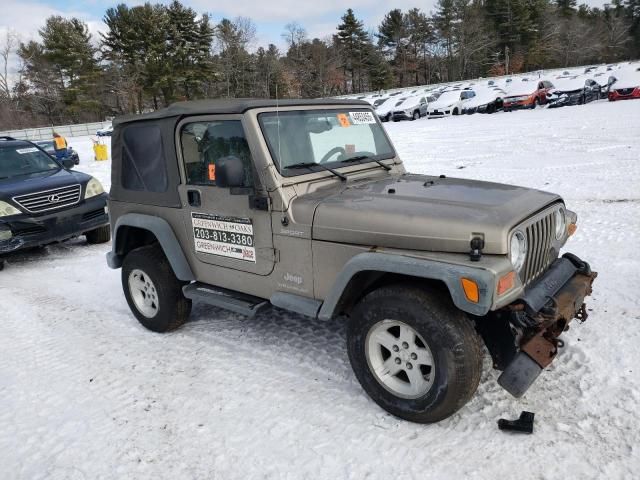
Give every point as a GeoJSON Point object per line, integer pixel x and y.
{"type": "Point", "coordinates": [87, 393]}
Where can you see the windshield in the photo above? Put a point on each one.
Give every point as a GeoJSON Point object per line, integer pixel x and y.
{"type": "Point", "coordinates": [333, 138]}
{"type": "Point", "coordinates": [21, 160]}
{"type": "Point", "coordinates": [47, 145]}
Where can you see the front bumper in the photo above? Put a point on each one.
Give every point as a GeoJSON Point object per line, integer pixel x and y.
{"type": "Point", "coordinates": [398, 116]}
{"type": "Point", "coordinates": [439, 113]}
{"type": "Point", "coordinates": [522, 104]}
{"type": "Point", "coordinates": [36, 230]}
{"type": "Point", "coordinates": [624, 94]}
{"type": "Point", "coordinates": [541, 315]}
{"type": "Point", "coordinates": [565, 100]}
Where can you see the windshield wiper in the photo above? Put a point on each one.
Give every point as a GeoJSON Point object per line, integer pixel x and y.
{"type": "Point", "coordinates": [358, 158]}
{"type": "Point", "coordinates": [314, 164]}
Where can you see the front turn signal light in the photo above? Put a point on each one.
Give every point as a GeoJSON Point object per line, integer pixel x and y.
{"type": "Point", "coordinates": [506, 282]}
{"type": "Point", "coordinates": [571, 229]}
{"type": "Point", "coordinates": [471, 290]}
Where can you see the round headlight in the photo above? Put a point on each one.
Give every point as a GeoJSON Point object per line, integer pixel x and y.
{"type": "Point", "coordinates": [561, 223]}
{"type": "Point", "coordinates": [518, 250]}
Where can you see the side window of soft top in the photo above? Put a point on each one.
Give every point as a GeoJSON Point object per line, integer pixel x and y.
{"type": "Point", "coordinates": [143, 161]}
{"type": "Point", "coordinates": [205, 143]}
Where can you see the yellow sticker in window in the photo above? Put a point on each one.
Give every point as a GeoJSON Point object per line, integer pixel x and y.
{"type": "Point", "coordinates": [343, 118]}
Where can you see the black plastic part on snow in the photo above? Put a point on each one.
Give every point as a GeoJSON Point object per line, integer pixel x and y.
{"type": "Point", "coordinates": [524, 424]}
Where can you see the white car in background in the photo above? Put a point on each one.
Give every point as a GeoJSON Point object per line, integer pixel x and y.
{"type": "Point", "coordinates": [450, 103]}
{"type": "Point", "coordinates": [412, 108]}
{"type": "Point", "coordinates": [105, 132]}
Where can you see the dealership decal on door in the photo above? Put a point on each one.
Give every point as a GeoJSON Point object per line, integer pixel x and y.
{"type": "Point", "coordinates": [224, 236]}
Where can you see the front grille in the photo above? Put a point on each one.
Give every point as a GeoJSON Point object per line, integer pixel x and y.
{"type": "Point", "coordinates": [625, 91]}
{"type": "Point", "coordinates": [49, 199]}
{"type": "Point", "coordinates": [540, 233]}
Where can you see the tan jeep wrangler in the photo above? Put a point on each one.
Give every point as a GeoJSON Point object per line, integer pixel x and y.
{"type": "Point", "coordinates": [305, 205]}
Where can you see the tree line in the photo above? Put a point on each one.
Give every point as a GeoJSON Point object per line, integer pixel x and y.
{"type": "Point", "coordinates": [154, 54]}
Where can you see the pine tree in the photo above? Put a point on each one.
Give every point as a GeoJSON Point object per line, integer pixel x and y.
{"type": "Point", "coordinates": [352, 41]}
{"type": "Point", "coordinates": [393, 38]}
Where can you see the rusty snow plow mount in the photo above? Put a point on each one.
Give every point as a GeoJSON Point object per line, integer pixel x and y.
{"type": "Point", "coordinates": [541, 316]}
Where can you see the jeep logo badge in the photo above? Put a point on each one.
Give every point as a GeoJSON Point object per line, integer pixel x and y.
{"type": "Point", "coordinates": [53, 198]}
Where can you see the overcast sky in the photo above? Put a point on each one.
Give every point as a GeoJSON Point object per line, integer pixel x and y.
{"type": "Point", "coordinates": [319, 17]}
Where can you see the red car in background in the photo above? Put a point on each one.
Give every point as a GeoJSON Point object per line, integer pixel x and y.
{"type": "Point", "coordinates": [624, 85]}
{"type": "Point", "coordinates": [527, 94]}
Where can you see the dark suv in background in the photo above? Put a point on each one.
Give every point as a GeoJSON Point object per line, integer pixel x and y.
{"type": "Point", "coordinates": [47, 146]}
{"type": "Point", "coordinates": [42, 201]}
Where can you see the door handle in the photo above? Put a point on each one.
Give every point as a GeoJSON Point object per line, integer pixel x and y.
{"type": "Point", "coordinates": [193, 197]}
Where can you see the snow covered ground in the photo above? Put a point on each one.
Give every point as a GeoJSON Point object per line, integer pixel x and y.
{"type": "Point", "coordinates": [87, 393]}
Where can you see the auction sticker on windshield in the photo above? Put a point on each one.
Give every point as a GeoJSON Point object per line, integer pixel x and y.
{"type": "Point", "coordinates": [223, 236]}
{"type": "Point", "coordinates": [362, 118]}
{"type": "Point", "coordinates": [22, 151]}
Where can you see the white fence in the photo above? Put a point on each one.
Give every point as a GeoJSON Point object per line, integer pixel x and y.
{"type": "Point", "coordinates": [46, 133]}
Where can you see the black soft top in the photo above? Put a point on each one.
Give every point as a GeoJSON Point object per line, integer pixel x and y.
{"type": "Point", "coordinates": [144, 167]}
{"type": "Point", "coordinates": [229, 106]}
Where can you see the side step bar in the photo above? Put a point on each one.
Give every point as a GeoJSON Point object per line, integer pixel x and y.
{"type": "Point", "coordinates": [228, 299]}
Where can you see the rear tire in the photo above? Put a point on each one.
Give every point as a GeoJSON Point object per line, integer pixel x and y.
{"type": "Point", "coordinates": [153, 292]}
{"type": "Point", "coordinates": [99, 235]}
{"type": "Point", "coordinates": [399, 378]}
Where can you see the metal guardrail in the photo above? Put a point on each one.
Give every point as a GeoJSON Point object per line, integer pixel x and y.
{"type": "Point", "coordinates": [46, 133]}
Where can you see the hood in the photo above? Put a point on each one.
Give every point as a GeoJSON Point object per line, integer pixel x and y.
{"type": "Point", "coordinates": [445, 102]}
{"type": "Point", "coordinates": [11, 187]}
{"type": "Point", "coordinates": [425, 213]}
{"type": "Point", "coordinates": [626, 80]}
{"type": "Point", "coordinates": [483, 98]}
{"type": "Point", "coordinates": [521, 89]}
{"type": "Point", "coordinates": [387, 106]}
{"type": "Point", "coordinates": [407, 105]}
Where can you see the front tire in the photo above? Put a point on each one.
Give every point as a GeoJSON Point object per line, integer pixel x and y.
{"type": "Point", "coordinates": [414, 353]}
{"type": "Point", "coordinates": [416, 115]}
{"type": "Point", "coordinates": [153, 292]}
{"type": "Point", "coordinates": [99, 235]}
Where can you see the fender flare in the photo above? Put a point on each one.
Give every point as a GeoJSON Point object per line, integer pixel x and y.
{"type": "Point", "coordinates": [448, 273]}
{"type": "Point", "coordinates": [166, 237]}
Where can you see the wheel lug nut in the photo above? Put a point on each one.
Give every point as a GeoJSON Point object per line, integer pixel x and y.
{"type": "Point", "coordinates": [395, 348]}
{"type": "Point", "coordinates": [398, 361]}
{"type": "Point", "coordinates": [414, 356]}
{"type": "Point", "coordinates": [405, 345]}
{"type": "Point", "coordinates": [409, 366]}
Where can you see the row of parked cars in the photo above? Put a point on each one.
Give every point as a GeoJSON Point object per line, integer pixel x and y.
{"type": "Point", "coordinates": [509, 93]}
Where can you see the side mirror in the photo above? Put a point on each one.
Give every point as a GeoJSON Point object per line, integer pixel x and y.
{"type": "Point", "coordinates": [229, 172]}
{"type": "Point", "coordinates": [68, 163]}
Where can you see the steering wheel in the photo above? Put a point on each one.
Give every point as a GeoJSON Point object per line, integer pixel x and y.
{"type": "Point", "coordinates": [331, 153]}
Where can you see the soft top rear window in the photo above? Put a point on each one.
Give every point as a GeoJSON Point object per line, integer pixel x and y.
{"type": "Point", "coordinates": [143, 162]}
